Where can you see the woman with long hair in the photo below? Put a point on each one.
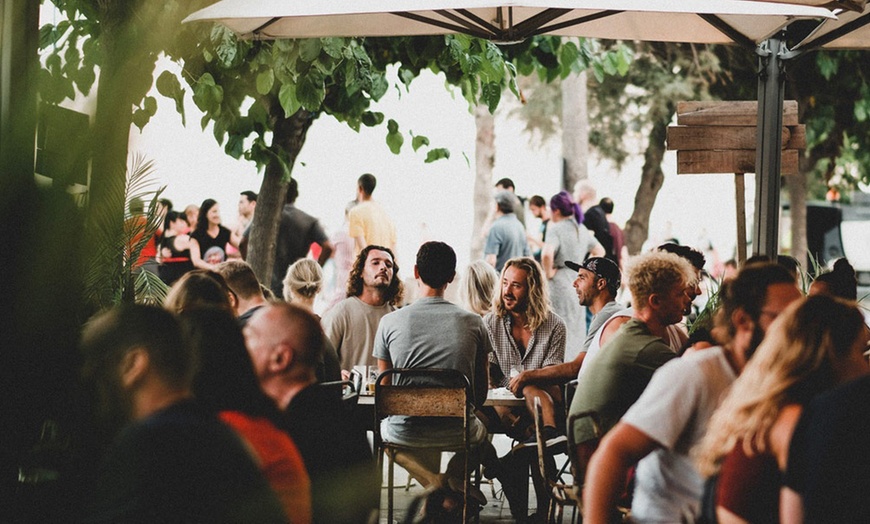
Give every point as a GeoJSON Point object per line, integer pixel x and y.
{"type": "Point", "coordinates": [174, 253]}
{"type": "Point", "coordinates": [227, 384]}
{"type": "Point", "coordinates": [478, 287]}
{"type": "Point", "coordinates": [567, 239]}
{"type": "Point", "coordinates": [209, 233]}
{"type": "Point", "coordinates": [303, 282]}
{"type": "Point", "coordinates": [814, 345]}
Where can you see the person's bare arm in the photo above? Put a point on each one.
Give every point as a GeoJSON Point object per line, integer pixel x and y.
{"type": "Point", "coordinates": [196, 256]}
{"type": "Point", "coordinates": [557, 374]}
{"type": "Point", "coordinates": [547, 256]}
{"type": "Point", "coordinates": [326, 249]}
{"type": "Point", "coordinates": [490, 259]}
{"type": "Point", "coordinates": [235, 239]}
{"type": "Point", "coordinates": [623, 447]}
{"type": "Point", "coordinates": [726, 517]}
{"type": "Point", "coordinates": [360, 243]}
{"type": "Point", "coordinates": [597, 251]}
{"type": "Point", "coordinates": [791, 507]}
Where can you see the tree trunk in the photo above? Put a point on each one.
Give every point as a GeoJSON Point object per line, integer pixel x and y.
{"type": "Point", "coordinates": [484, 160]}
{"type": "Point", "coordinates": [575, 130]}
{"type": "Point", "coordinates": [651, 180]}
{"type": "Point", "coordinates": [287, 140]}
{"type": "Point", "coordinates": [796, 185]}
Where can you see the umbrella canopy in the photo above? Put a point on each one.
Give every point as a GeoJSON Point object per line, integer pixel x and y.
{"type": "Point", "coordinates": [850, 30]}
{"type": "Point", "coordinates": [690, 21]}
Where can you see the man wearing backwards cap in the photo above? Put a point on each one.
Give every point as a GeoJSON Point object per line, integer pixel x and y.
{"type": "Point", "coordinates": [597, 283]}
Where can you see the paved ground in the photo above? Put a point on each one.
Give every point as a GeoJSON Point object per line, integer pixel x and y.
{"type": "Point", "coordinates": [496, 511]}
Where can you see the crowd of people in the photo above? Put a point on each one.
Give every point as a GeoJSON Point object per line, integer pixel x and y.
{"type": "Point", "coordinates": [220, 412]}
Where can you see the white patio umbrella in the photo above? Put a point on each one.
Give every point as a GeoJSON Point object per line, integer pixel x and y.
{"type": "Point", "coordinates": [691, 21]}
{"type": "Point", "coordinates": [752, 24]}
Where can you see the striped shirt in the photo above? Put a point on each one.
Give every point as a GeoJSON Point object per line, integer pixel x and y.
{"type": "Point", "coordinates": [546, 346]}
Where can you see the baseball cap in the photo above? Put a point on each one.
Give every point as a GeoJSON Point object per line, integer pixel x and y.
{"type": "Point", "coordinates": [602, 267]}
{"type": "Point", "coordinates": [505, 198]}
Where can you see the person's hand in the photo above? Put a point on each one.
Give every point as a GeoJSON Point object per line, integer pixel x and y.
{"type": "Point", "coordinates": [345, 374]}
{"type": "Point", "coordinates": [517, 384]}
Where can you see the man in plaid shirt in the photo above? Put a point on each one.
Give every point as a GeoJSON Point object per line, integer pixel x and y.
{"type": "Point", "coordinates": [525, 334]}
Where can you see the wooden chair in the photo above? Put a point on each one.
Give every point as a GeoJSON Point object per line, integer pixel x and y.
{"type": "Point", "coordinates": [560, 493]}
{"type": "Point", "coordinates": [444, 393]}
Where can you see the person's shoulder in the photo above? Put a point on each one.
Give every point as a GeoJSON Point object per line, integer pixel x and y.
{"type": "Point", "coordinates": [491, 319]}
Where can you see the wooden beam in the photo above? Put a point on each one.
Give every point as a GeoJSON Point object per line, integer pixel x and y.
{"type": "Point", "coordinates": [736, 161]}
{"type": "Point", "coordinates": [740, 199]}
{"type": "Point", "coordinates": [729, 113]}
{"type": "Point", "coordinates": [698, 138]}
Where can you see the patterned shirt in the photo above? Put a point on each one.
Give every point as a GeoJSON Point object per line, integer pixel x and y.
{"type": "Point", "coordinates": [546, 346]}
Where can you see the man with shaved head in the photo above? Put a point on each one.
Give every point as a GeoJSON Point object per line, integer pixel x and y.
{"type": "Point", "coordinates": [285, 342]}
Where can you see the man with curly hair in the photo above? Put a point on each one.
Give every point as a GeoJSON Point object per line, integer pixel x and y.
{"type": "Point", "coordinates": [373, 290]}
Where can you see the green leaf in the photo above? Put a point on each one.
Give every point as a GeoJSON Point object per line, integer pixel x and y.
{"type": "Point", "coordinates": [419, 141]}
{"type": "Point", "coordinates": [437, 154]}
{"type": "Point", "coordinates": [379, 86]}
{"type": "Point", "coordinates": [827, 65]}
{"type": "Point", "coordinates": [288, 100]}
{"type": "Point", "coordinates": [150, 105]}
{"type": "Point", "coordinates": [333, 47]}
{"type": "Point", "coordinates": [141, 118]}
{"type": "Point", "coordinates": [235, 146]}
{"type": "Point", "coordinates": [168, 86]}
{"type": "Point", "coordinates": [265, 81]}
{"type": "Point", "coordinates": [490, 94]}
{"type": "Point", "coordinates": [309, 49]}
{"type": "Point", "coordinates": [372, 119]}
{"type": "Point", "coordinates": [394, 138]}
{"type": "Point", "coordinates": [311, 92]}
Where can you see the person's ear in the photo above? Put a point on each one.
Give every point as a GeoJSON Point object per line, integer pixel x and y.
{"type": "Point", "coordinates": [742, 321]}
{"type": "Point", "coordinates": [416, 272]}
{"type": "Point", "coordinates": [600, 284]}
{"type": "Point", "coordinates": [134, 366]}
{"type": "Point", "coordinates": [281, 358]}
{"type": "Point", "coordinates": [654, 301]}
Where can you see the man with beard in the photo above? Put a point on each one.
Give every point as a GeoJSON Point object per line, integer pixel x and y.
{"type": "Point", "coordinates": [173, 462]}
{"type": "Point", "coordinates": [672, 414]}
{"type": "Point", "coordinates": [596, 285]}
{"type": "Point", "coordinates": [526, 335]}
{"type": "Point", "coordinates": [373, 290]}
{"type": "Point", "coordinates": [619, 373]}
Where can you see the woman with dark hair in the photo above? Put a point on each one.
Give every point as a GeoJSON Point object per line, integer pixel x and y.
{"type": "Point", "coordinates": [227, 384]}
{"type": "Point", "coordinates": [209, 233]}
{"type": "Point", "coordinates": [839, 281]}
{"type": "Point", "coordinates": [567, 240]}
{"type": "Point", "coordinates": [174, 253]}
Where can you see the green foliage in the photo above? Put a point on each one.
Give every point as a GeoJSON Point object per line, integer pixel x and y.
{"type": "Point", "coordinates": [548, 60]}
{"type": "Point", "coordinates": [111, 275]}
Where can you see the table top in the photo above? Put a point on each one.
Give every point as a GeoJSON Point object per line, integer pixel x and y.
{"type": "Point", "coordinates": [494, 397]}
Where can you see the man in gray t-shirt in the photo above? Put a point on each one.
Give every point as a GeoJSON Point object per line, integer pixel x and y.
{"type": "Point", "coordinates": [507, 236]}
{"type": "Point", "coordinates": [415, 337]}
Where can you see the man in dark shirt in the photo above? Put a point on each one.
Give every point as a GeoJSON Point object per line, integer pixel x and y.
{"type": "Point", "coordinates": [173, 462]}
{"type": "Point", "coordinates": [296, 232]}
{"type": "Point", "coordinates": [284, 342]}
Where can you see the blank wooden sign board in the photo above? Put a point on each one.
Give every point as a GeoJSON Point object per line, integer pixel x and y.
{"type": "Point", "coordinates": [721, 137]}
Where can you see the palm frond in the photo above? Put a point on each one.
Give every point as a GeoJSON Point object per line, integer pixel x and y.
{"type": "Point", "coordinates": [150, 289]}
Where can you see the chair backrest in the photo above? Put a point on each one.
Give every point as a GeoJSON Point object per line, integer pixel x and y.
{"type": "Point", "coordinates": [442, 393]}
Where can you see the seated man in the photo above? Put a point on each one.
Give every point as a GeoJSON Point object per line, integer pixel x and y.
{"type": "Point", "coordinates": [414, 337]}
{"type": "Point", "coordinates": [173, 462]}
{"type": "Point", "coordinates": [619, 374]}
{"type": "Point", "coordinates": [285, 343]}
{"type": "Point", "coordinates": [526, 335]}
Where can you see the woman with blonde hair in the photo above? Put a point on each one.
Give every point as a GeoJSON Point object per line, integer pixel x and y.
{"type": "Point", "coordinates": [302, 283]}
{"type": "Point", "coordinates": [478, 287]}
{"type": "Point", "coordinates": [814, 345]}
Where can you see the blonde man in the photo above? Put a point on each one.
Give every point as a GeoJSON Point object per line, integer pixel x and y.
{"type": "Point", "coordinates": [525, 334]}
{"type": "Point", "coordinates": [616, 378]}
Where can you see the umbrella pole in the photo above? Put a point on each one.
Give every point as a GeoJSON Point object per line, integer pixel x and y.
{"type": "Point", "coordinates": [772, 53]}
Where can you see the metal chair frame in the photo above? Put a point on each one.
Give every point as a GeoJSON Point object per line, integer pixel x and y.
{"type": "Point", "coordinates": [439, 400]}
